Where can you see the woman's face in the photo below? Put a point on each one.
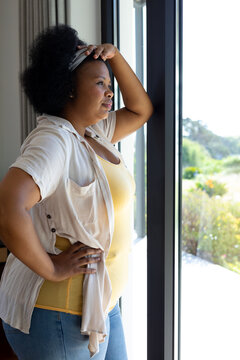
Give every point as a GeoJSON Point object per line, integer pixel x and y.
{"type": "Point", "coordinates": [93, 96]}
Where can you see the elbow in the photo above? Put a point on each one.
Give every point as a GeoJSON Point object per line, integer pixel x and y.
{"type": "Point", "coordinates": [147, 108]}
{"type": "Point", "coordinates": [148, 111]}
{"type": "Point", "coordinates": [145, 115]}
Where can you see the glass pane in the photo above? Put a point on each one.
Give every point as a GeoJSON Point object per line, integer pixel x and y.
{"type": "Point", "coordinates": [210, 312]}
{"type": "Point", "coordinates": [132, 35]}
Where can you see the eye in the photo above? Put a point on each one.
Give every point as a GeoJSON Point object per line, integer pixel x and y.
{"type": "Point", "coordinates": [100, 83]}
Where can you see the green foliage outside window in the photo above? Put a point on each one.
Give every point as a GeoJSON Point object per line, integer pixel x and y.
{"type": "Point", "coordinates": [191, 172]}
{"type": "Point", "coordinates": [211, 229]}
{"type": "Point", "coordinates": [193, 154]}
{"type": "Point", "coordinates": [211, 195]}
{"type": "Point", "coordinates": [231, 164]}
{"type": "Point", "coordinates": [212, 187]}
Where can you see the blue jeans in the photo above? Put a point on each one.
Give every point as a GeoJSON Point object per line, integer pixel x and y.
{"type": "Point", "coordinates": [56, 335]}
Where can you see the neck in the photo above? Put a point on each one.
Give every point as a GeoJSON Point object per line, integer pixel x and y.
{"type": "Point", "coordinates": [79, 128]}
{"type": "Point", "coordinates": [74, 119]}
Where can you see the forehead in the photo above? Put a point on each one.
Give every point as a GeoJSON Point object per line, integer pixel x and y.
{"type": "Point", "coordinates": [93, 69]}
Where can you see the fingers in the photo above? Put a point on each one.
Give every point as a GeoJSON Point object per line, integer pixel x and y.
{"type": "Point", "coordinates": [89, 48]}
{"type": "Point", "coordinates": [78, 246]}
{"type": "Point", "coordinates": [82, 262]}
{"type": "Point", "coordinates": [85, 261]}
{"type": "Point", "coordinates": [75, 260]}
{"type": "Point", "coordinates": [85, 250]}
{"type": "Point", "coordinates": [90, 271]}
{"type": "Point", "coordinates": [83, 255]}
{"type": "Point", "coordinates": [79, 47]}
{"type": "Point", "coordinates": [88, 252]}
{"type": "Point", "coordinates": [99, 50]}
{"type": "Point", "coordinates": [82, 268]}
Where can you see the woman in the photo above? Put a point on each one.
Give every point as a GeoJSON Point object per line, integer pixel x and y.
{"type": "Point", "coordinates": [61, 200]}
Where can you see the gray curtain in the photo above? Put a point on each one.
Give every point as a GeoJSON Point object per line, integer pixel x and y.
{"type": "Point", "coordinates": [35, 15]}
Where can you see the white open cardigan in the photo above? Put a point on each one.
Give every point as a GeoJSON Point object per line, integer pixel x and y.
{"type": "Point", "coordinates": [76, 204]}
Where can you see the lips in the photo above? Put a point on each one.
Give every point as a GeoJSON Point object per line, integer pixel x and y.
{"type": "Point", "coordinates": [108, 105]}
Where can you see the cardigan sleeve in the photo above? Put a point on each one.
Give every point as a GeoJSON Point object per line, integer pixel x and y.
{"type": "Point", "coordinates": [43, 157]}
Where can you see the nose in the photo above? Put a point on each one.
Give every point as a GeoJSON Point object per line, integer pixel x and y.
{"type": "Point", "coordinates": [109, 93]}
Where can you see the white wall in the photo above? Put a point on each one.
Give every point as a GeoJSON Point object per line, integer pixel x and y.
{"type": "Point", "coordinates": [9, 85]}
{"type": "Point", "coordinates": [85, 17]}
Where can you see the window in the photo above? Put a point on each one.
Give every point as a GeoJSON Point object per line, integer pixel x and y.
{"type": "Point", "coordinates": [132, 44]}
{"type": "Point", "coordinates": [210, 184]}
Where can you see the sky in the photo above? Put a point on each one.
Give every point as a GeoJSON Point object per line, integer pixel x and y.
{"type": "Point", "coordinates": [211, 64]}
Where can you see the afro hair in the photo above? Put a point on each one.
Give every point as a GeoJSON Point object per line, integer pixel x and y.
{"type": "Point", "coordinates": [47, 81]}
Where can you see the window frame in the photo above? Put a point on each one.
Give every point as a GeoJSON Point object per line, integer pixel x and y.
{"type": "Point", "coordinates": [164, 78]}
{"type": "Point", "coordinates": [164, 17]}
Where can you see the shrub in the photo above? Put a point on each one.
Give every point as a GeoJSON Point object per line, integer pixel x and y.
{"type": "Point", "coordinates": [212, 166]}
{"type": "Point", "coordinates": [193, 154]}
{"type": "Point", "coordinates": [210, 229]}
{"type": "Point", "coordinates": [232, 164]}
{"type": "Point", "coordinates": [212, 187]}
{"type": "Point", "coordinates": [193, 220]}
{"type": "Point", "coordinates": [191, 172]}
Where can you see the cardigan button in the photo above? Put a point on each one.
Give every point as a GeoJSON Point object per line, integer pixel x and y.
{"type": "Point", "coordinates": [49, 216]}
{"type": "Point", "coordinates": [53, 230]}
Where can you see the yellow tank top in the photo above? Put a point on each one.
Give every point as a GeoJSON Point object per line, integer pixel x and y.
{"type": "Point", "coordinates": [66, 295]}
